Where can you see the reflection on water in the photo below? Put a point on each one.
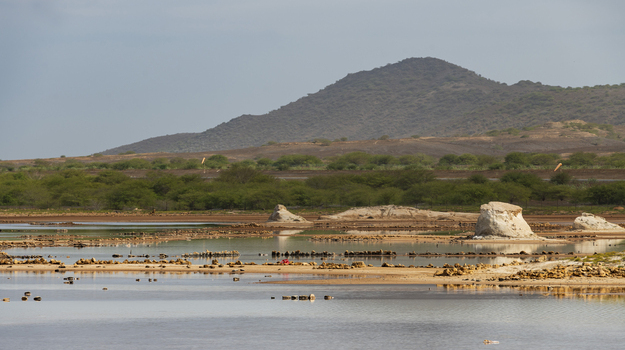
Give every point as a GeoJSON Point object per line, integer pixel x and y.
{"type": "Point", "coordinates": [604, 293]}
{"type": "Point", "coordinates": [188, 311]}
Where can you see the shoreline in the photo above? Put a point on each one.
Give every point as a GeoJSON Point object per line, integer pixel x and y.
{"type": "Point", "coordinates": [353, 276]}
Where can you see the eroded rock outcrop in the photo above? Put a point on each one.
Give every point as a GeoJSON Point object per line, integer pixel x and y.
{"type": "Point", "coordinates": [502, 220]}
{"type": "Point", "coordinates": [590, 222]}
{"type": "Point", "coordinates": [281, 214]}
{"type": "Point", "coordinates": [393, 212]}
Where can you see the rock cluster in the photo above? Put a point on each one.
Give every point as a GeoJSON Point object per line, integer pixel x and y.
{"type": "Point", "coordinates": [561, 271]}
{"type": "Point", "coordinates": [590, 222]}
{"type": "Point", "coordinates": [385, 264]}
{"type": "Point", "coordinates": [310, 297]}
{"type": "Point", "coordinates": [333, 266]}
{"type": "Point", "coordinates": [298, 254]}
{"type": "Point", "coordinates": [93, 261]}
{"type": "Point", "coordinates": [39, 261]}
{"type": "Point", "coordinates": [502, 220]}
{"type": "Point", "coordinates": [358, 264]}
{"type": "Point", "coordinates": [370, 253]}
{"type": "Point", "coordinates": [459, 270]}
{"type": "Point", "coordinates": [209, 254]}
{"type": "Point", "coordinates": [281, 214]}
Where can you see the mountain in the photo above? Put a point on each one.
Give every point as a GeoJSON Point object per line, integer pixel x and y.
{"type": "Point", "coordinates": [416, 96]}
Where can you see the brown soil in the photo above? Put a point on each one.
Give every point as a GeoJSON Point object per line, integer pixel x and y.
{"type": "Point", "coordinates": [549, 138]}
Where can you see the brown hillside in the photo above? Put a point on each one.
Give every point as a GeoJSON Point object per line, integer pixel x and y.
{"type": "Point", "coordinates": [417, 96]}
{"type": "Point", "coordinates": [554, 137]}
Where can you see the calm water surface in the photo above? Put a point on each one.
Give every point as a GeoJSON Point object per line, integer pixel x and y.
{"type": "Point", "coordinates": [200, 311]}
{"type": "Point", "coordinates": [197, 311]}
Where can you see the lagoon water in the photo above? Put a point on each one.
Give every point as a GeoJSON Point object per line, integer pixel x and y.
{"type": "Point", "coordinates": [258, 249]}
{"type": "Point", "coordinates": [197, 311]}
{"type": "Point", "coordinates": [200, 311]}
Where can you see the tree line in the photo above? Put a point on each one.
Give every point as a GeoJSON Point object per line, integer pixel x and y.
{"type": "Point", "coordinates": [245, 187]}
{"type": "Point", "coordinates": [351, 161]}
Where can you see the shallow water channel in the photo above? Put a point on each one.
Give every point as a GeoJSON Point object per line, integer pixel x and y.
{"type": "Point", "coordinates": [258, 249]}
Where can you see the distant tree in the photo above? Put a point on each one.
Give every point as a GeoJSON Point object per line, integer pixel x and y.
{"type": "Point", "coordinates": [543, 159]}
{"type": "Point", "coordinates": [322, 142]}
{"type": "Point", "coordinates": [135, 163]}
{"type": "Point", "coordinates": [467, 159]}
{"type": "Point", "coordinates": [448, 160]}
{"type": "Point", "coordinates": [524, 179]}
{"type": "Point", "coordinates": [241, 174]}
{"type": "Point", "coordinates": [516, 160]}
{"type": "Point", "coordinates": [484, 160]}
{"type": "Point", "coordinates": [561, 178]}
{"type": "Point", "coordinates": [383, 137]}
{"type": "Point", "coordinates": [383, 159]}
{"type": "Point", "coordinates": [40, 163]}
{"type": "Point", "coordinates": [216, 161]}
{"type": "Point", "coordinates": [581, 160]}
{"type": "Point", "coordinates": [160, 163]}
{"type": "Point", "coordinates": [478, 179]}
{"type": "Point", "coordinates": [264, 163]}
{"type": "Point", "coordinates": [111, 177]}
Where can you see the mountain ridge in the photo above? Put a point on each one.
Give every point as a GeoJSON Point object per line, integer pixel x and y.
{"type": "Point", "coordinates": [422, 96]}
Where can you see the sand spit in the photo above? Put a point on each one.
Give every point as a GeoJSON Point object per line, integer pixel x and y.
{"type": "Point", "coordinates": [517, 273]}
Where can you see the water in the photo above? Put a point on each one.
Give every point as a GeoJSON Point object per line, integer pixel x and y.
{"type": "Point", "coordinates": [197, 311]}
{"type": "Point", "coordinates": [258, 249]}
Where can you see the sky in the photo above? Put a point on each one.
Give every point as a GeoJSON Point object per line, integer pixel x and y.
{"type": "Point", "coordinates": [80, 77]}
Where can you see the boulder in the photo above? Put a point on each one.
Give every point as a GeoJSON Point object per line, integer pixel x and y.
{"type": "Point", "coordinates": [281, 214]}
{"type": "Point", "coordinates": [502, 220]}
{"type": "Point", "coordinates": [590, 222]}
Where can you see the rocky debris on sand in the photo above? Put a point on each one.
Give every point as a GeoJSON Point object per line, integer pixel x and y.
{"type": "Point", "coordinates": [561, 271]}
{"type": "Point", "coordinates": [393, 212]}
{"type": "Point", "coordinates": [502, 220]}
{"type": "Point", "coordinates": [590, 222]}
{"type": "Point", "coordinates": [460, 270]}
{"type": "Point", "coordinates": [281, 214]}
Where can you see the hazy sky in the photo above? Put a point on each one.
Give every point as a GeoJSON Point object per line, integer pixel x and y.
{"type": "Point", "coordinates": [80, 77]}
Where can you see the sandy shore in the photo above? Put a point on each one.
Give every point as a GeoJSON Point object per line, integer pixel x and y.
{"type": "Point", "coordinates": [351, 276]}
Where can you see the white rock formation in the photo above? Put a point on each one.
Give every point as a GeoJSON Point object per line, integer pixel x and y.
{"type": "Point", "coordinates": [502, 220]}
{"type": "Point", "coordinates": [590, 222]}
{"type": "Point", "coordinates": [280, 214]}
{"type": "Point", "coordinates": [393, 212]}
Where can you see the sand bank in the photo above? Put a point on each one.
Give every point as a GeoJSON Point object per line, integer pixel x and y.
{"type": "Point", "coordinates": [350, 276]}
